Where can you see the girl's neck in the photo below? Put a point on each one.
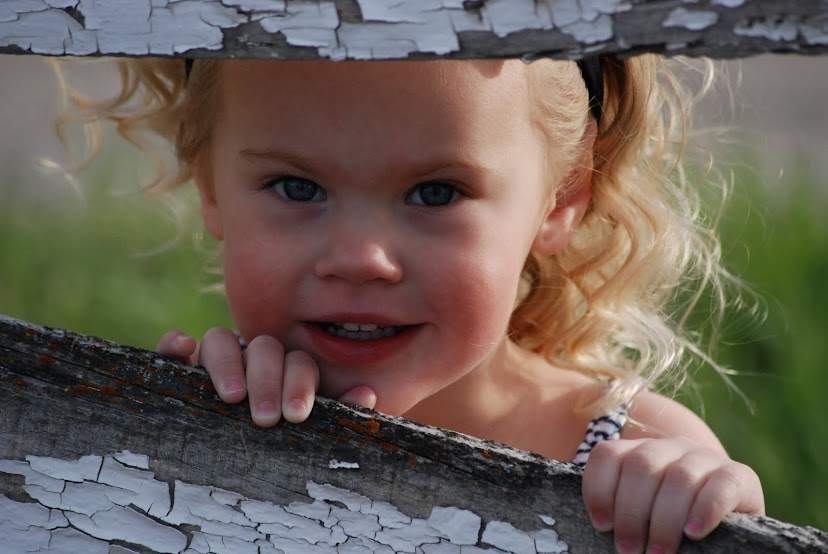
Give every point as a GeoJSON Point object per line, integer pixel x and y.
{"type": "Point", "coordinates": [477, 402]}
{"type": "Point", "coordinates": [517, 398]}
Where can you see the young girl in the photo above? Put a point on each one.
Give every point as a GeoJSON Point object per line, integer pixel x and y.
{"type": "Point", "coordinates": [461, 243]}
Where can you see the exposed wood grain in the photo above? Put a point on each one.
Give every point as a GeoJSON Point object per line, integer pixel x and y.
{"type": "Point", "coordinates": [340, 29]}
{"type": "Point", "coordinates": [66, 396]}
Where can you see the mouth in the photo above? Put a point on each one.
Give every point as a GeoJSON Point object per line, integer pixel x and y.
{"type": "Point", "coordinates": [361, 331]}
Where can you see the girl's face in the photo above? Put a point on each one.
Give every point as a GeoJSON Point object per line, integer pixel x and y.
{"type": "Point", "coordinates": [378, 215]}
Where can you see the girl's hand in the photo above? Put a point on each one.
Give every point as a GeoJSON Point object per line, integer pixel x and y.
{"type": "Point", "coordinates": [277, 383]}
{"type": "Point", "coordinates": [650, 491]}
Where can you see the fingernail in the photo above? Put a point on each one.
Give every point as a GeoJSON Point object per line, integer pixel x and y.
{"type": "Point", "coordinates": [693, 527]}
{"type": "Point", "coordinates": [296, 411]}
{"type": "Point", "coordinates": [601, 523]}
{"type": "Point", "coordinates": [655, 549]}
{"type": "Point", "coordinates": [233, 385]}
{"type": "Point", "coordinates": [266, 411]}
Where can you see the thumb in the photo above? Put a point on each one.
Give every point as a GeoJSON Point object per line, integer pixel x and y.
{"type": "Point", "coordinates": [361, 395]}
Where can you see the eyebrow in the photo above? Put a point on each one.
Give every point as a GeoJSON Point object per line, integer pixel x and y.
{"type": "Point", "coordinates": [306, 164]}
{"type": "Point", "coordinates": [296, 160]}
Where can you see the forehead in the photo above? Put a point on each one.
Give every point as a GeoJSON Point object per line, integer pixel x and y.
{"type": "Point", "coordinates": [430, 101]}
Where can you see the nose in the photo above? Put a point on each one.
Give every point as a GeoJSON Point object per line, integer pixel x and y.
{"type": "Point", "coordinates": [359, 250]}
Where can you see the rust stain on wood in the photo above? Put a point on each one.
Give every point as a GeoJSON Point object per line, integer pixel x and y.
{"type": "Point", "coordinates": [107, 390]}
{"type": "Point", "coordinates": [82, 389]}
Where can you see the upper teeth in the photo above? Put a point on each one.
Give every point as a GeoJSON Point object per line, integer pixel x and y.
{"type": "Point", "coordinates": [361, 331]}
{"type": "Point", "coordinates": [360, 326]}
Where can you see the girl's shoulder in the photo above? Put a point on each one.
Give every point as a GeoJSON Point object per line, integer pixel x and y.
{"type": "Point", "coordinates": [551, 419]}
{"type": "Point", "coordinates": [652, 415]}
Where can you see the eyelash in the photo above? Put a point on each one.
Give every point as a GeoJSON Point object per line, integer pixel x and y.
{"type": "Point", "coordinates": [277, 185]}
{"type": "Point", "coordinates": [273, 184]}
{"type": "Point", "coordinates": [455, 193]}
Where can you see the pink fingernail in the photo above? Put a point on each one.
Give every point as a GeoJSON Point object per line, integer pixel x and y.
{"type": "Point", "coordinates": [233, 385]}
{"type": "Point", "coordinates": [266, 410]}
{"type": "Point", "coordinates": [655, 549]}
{"type": "Point", "coordinates": [295, 409]}
{"type": "Point", "coordinates": [693, 527]}
{"type": "Point", "coordinates": [601, 523]}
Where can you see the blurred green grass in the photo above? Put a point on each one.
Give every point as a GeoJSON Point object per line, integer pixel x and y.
{"type": "Point", "coordinates": [73, 262]}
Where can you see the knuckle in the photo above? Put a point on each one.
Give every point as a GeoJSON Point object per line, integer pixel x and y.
{"type": "Point", "coordinates": [300, 358]}
{"type": "Point", "coordinates": [680, 476]}
{"type": "Point", "coordinates": [731, 476]}
{"type": "Point", "coordinates": [640, 461]}
{"type": "Point", "coordinates": [602, 453]}
{"type": "Point", "coordinates": [265, 342]}
{"type": "Point", "coordinates": [214, 333]}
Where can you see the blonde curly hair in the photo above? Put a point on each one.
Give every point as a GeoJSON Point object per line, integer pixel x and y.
{"type": "Point", "coordinates": [615, 303]}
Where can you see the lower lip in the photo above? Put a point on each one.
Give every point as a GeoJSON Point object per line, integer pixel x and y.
{"type": "Point", "coordinates": [350, 352]}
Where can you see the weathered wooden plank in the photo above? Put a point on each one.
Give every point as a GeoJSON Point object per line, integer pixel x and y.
{"type": "Point", "coordinates": [154, 462]}
{"type": "Point", "coordinates": [339, 29]}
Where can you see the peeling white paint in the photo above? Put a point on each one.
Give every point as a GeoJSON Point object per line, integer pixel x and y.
{"type": "Point", "coordinates": [306, 24]}
{"type": "Point", "coordinates": [692, 20]}
{"type": "Point", "coordinates": [547, 520]}
{"type": "Point", "coordinates": [504, 536]}
{"type": "Point", "coordinates": [81, 505]}
{"type": "Point", "coordinates": [388, 29]}
{"type": "Point", "coordinates": [127, 458]}
{"type": "Point", "coordinates": [548, 542]}
{"type": "Point", "coordinates": [83, 469]}
{"type": "Point", "coordinates": [336, 464]}
{"type": "Point", "coordinates": [815, 35]}
{"type": "Point", "coordinates": [783, 30]}
{"type": "Point", "coordinates": [460, 526]}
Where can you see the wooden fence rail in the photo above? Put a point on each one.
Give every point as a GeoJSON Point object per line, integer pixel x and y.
{"type": "Point", "coordinates": [339, 29]}
{"type": "Point", "coordinates": [112, 449]}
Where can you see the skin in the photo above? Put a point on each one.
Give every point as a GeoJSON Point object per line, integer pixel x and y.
{"type": "Point", "coordinates": [367, 140]}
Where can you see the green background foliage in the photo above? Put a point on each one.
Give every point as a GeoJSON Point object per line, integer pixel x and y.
{"type": "Point", "coordinates": [76, 261]}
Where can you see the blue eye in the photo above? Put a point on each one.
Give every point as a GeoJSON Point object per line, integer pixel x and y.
{"type": "Point", "coordinates": [296, 189]}
{"type": "Point", "coordinates": [433, 194]}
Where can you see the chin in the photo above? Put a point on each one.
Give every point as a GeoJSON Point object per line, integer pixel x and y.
{"type": "Point", "coordinates": [394, 407]}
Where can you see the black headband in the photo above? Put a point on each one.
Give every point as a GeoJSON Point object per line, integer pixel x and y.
{"type": "Point", "coordinates": [593, 75]}
{"type": "Point", "coordinates": [591, 71]}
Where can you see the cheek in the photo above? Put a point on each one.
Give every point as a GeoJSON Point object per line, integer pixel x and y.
{"type": "Point", "coordinates": [254, 281]}
{"type": "Point", "coordinates": [479, 292]}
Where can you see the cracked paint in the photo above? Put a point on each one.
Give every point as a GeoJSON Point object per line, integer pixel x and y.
{"type": "Point", "coordinates": [336, 464]}
{"type": "Point", "coordinates": [692, 20]}
{"type": "Point", "coordinates": [728, 3]}
{"type": "Point", "coordinates": [83, 505]}
{"type": "Point", "coordinates": [783, 29]}
{"type": "Point", "coordinates": [388, 30]}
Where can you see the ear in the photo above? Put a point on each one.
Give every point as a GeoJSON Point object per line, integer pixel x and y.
{"type": "Point", "coordinates": [210, 214]}
{"type": "Point", "coordinates": [570, 203]}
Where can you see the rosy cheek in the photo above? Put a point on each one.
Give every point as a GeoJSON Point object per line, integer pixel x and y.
{"type": "Point", "coordinates": [251, 290]}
